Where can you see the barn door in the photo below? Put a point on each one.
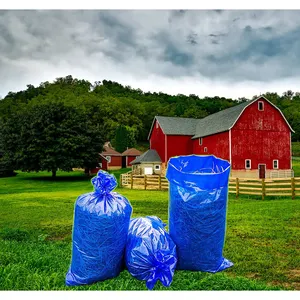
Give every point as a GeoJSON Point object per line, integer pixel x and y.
{"type": "Point", "coordinates": [124, 161]}
{"type": "Point", "coordinates": [262, 171]}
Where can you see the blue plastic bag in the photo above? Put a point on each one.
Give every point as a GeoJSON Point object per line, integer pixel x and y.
{"type": "Point", "coordinates": [150, 251]}
{"type": "Point", "coordinates": [101, 221]}
{"type": "Point", "coordinates": [197, 211]}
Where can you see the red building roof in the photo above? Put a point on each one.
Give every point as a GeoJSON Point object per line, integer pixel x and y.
{"type": "Point", "coordinates": [131, 152]}
{"type": "Point", "coordinates": [110, 151]}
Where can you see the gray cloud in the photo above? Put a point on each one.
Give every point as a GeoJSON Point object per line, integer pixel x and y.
{"type": "Point", "coordinates": [152, 49]}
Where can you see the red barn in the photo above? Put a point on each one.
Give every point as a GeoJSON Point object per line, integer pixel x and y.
{"type": "Point", "coordinates": [110, 158]}
{"type": "Point", "coordinates": [128, 156]}
{"type": "Point", "coordinates": [254, 137]}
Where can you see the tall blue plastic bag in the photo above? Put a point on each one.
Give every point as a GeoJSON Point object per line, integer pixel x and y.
{"type": "Point", "coordinates": [197, 211]}
{"type": "Point", "coordinates": [101, 221]}
{"type": "Point", "coordinates": [150, 252]}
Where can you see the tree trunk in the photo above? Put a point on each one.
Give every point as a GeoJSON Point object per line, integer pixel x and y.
{"type": "Point", "coordinates": [53, 173]}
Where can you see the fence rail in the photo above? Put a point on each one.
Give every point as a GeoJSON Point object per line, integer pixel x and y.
{"type": "Point", "coordinates": [147, 182]}
{"type": "Point", "coordinates": [288, 187]}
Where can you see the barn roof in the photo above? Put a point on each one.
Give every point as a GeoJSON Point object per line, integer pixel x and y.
{"type": "Point", "coordinates": [212, 124]}
{"type": "Point", "coordinates": [131, 152]}
{"type": "Point", "coordinates": [176, 125]}
{"type": "Point", "coordinates": [150, 156]}
{"type": "Point", "coordinates": [110, 151]}
{"type": "Point", "coordinates": [220, 121]}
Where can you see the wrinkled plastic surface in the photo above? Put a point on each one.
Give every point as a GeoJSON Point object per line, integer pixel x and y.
{"type": "Point", "coordinates": [150, 251]}
{"type": "Point", "coordinates": [197, 211]}
{"type": "Point", "coordinates": [101, 221]}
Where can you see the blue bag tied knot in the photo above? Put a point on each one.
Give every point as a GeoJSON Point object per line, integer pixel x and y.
{"type": "Point", "coordinates": [163, 265]}
{"type": "Point", "coordinates": [104, 182]}
{"type": "Point", "coordinates": [150, 251]}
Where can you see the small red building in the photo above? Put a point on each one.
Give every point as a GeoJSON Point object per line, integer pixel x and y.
{"type": "Point", "coordinates": [110, 159]}
{"type": "Point", "coordinates": [128, 156]}
{"type": "Point", "coordinates": [253, 136]}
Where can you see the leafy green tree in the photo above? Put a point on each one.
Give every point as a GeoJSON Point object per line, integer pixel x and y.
{"type": "Point", "coordinates": [5, 167]}
{"type": "Point", "coordinates": [294, 120]}
{"type": "Point", "coordinates": [194, 112]}
{"type": "Point", "coordinates": [51, 136]}
{"type": "Point", "coordinates": [131, 137]}
{"type": "Point", "coordinates": [109, 104]}
{"type": "Point", "coordinates": [125, 138]}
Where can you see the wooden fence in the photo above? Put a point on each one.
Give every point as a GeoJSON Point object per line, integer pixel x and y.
{"type": "Point", "coordinates": [146, 182]}
{"type": "Point", "coordinates": [287, 187]}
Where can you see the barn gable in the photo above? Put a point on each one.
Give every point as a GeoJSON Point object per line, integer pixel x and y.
{"type": "Point", "coordinates": [263, 98]}
{"type": "Point", "coordinates": [226, 119]}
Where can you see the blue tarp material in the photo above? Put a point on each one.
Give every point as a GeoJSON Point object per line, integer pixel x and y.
{"type": "Point", "coordinates": [101, 221]}
{"type": "Point", "coordinates": [150, 251]}
{"type": "Point", "coordinates": [197, 211]}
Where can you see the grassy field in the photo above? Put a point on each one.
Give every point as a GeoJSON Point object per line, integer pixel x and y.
{"type": "Point", "coordinates": [296, 149]}
{"type": "Point", "coordinates": [296, 166]}
{"type": "Point", "coordinates": [36, 216]}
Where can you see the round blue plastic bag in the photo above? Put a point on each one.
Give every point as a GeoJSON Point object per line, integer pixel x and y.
{"type": "Point", "coordinates": [101, 221]}
{"type": "Point", "coordinates": [197, 211]}
{"type": "Point", "coordinates": [150, 251]}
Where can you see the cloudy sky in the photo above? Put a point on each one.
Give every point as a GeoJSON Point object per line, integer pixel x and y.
{"type": "Point", "coordinates": [231, 53]}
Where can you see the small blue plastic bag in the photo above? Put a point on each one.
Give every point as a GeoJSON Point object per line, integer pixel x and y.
{"type": "Point", "coordinates": [150, 251]}
{"type": "Point", "coordinates": [197, 211]}
{"type": "Point", "coordinates": [101, 221]}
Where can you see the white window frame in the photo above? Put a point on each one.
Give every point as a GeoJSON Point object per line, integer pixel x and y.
{"type": "Point", "coordinates": [277, 164]}
{"type": "Point", "coordinates": [201, 141]}
{"type": "Point", "coordinates": [108, 158]}
{"type": "Point", "coordinates": [157, 169]}
{"type": "Point", "coordinates": [262, 103]}
{"type": "Point", "coordinates": [248, 168]}
{"type": "Point", "coordinates": [205, 149]}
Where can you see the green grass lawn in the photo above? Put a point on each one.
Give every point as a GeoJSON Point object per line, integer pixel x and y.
{"type": "Point", "coordinates": [296, 149]}
{"type": "Point", "coordinates": [296, 166]}
{"type": "Point", "coordinates": [36, 217]}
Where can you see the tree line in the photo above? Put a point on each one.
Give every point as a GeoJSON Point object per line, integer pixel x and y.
{"type": "Point", "coordinates": [63, 124]}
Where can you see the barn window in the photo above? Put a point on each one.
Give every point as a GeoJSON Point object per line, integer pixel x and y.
{"type": "Point", "coordinates": [275, 164]}
{"type": "Point", "coordinates": [205, 149]}
{"type": "Point", "coordinates": [156, 124]}
{"type": "Point", "coordinates": [157, 167]}
{"type": "Point", "coordinates": [260, 105]}
{"type": "Point", "coordinates": [200, 141]}
{"type": "Point", "coordinates": [108, 158]}
{"type": "Point", "coordinates": [247, 163]}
